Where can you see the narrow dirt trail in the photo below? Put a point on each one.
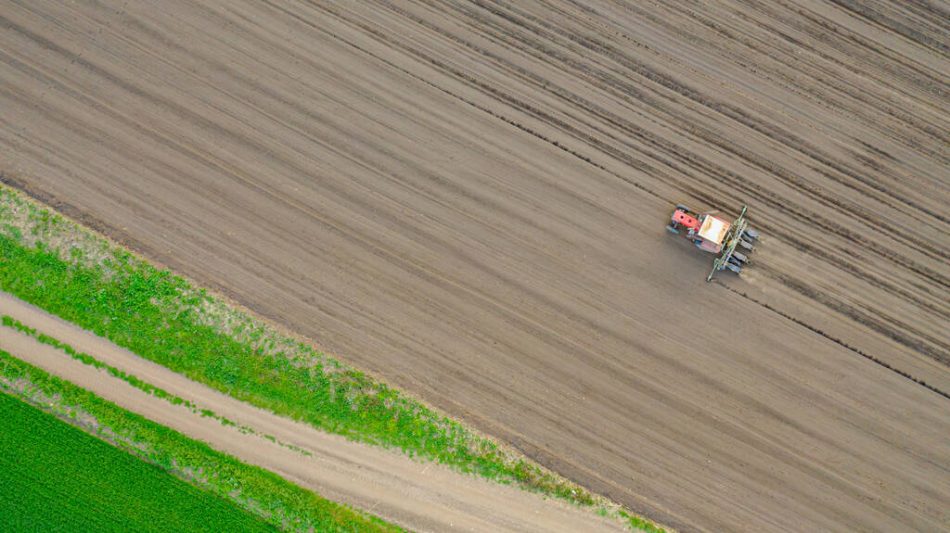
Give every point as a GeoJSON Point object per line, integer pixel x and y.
{"type": "Point", "coordinates": [419, 496]}
{"type": "Point", "coordinates": [467, 198]}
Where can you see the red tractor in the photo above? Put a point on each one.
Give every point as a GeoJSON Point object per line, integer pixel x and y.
{"type": "Point", "coordinates": [716, 235]}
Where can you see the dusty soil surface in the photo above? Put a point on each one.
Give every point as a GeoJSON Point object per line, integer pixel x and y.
{"type": "Point", "coordinates": [420, 496]}
{"type": "Point", "coordinates": [468, 199]}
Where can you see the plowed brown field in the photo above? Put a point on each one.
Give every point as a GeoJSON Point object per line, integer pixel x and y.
{"type": "Point", "coordinates": [468, 198]}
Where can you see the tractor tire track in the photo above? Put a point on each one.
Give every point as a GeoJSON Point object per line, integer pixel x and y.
{"type": "Point", "coordinates": [753, 190]}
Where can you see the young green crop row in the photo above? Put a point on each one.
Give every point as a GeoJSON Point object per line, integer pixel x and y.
{"type": "Point", "coordinates": [64, 479]}
{"type": "Point", "coordinates": [54, 477]}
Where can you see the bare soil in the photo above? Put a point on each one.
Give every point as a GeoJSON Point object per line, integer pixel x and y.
{"type": "Point", "coordinates": [468, 200]}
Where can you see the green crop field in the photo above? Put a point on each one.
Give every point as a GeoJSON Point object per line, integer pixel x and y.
{"type": "Point", "coordinates": [54, 477]}
{"type": "Point", "coordinates": [158, 449]}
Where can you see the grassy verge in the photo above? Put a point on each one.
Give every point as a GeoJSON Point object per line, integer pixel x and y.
{"type": "Point", "coordinates": [253, 490]}
{"type": "Point", "coordinates": [55, 477]}
{"type": "Point", "coordinates": [144, 386]}
{"type": "Point", "coordinates": [81, 277]}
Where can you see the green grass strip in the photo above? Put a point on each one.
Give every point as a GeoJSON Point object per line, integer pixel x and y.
{"type": "Point", "coordinates": [83, 278]}
{"type": "Point", "coordinates": [55, 477]}
{"type": "Point", "coordinates": [255, 490]}
{"type": "Point", "coordinates": [144, 386]}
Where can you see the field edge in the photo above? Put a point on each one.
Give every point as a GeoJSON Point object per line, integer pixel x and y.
{"type": "Point", "coordinates": [38, 243]}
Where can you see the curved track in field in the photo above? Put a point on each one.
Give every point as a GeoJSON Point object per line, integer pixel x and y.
{"type": "Point", "coordinates": [467, 198]}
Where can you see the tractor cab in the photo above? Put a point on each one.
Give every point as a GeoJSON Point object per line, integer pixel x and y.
{"type": "Point", "coordinates": [706, 231]}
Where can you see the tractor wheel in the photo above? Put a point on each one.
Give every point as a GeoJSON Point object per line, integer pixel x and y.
{"type": "Point", "coordinates": [683, 208]}
{"type": "Point", "coordinates": [672, 230]}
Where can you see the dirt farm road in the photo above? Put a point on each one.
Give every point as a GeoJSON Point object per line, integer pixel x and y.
{"type": "Point", "coordinates": [419, 496]}
{"type": "Point", "coordinates": [468, 199]}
